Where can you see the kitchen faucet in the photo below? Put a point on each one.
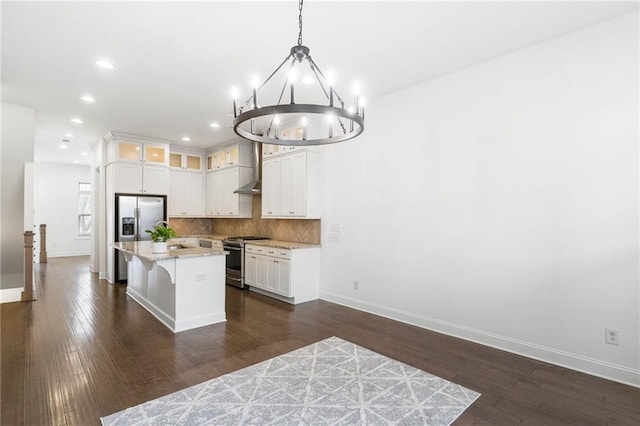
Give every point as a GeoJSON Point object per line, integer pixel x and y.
{"type": "Point", "coordinates": [166, 224]}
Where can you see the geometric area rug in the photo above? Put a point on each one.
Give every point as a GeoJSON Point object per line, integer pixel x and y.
{"type": "Point", "coordinates": [331, 382]}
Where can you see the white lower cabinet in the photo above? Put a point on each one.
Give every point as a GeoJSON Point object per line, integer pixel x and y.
{"type": "Point", "coordinates": [289, 275]}
{"type": "Point", "coordinates": [279, 277]}
{"type": "Point", "coordinates": [186, 194]}
{"type": "Point", "coordinates": [221, 200]}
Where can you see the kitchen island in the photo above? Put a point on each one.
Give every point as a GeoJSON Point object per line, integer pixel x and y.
{"type": "Point", "coordinates": [183, 288]}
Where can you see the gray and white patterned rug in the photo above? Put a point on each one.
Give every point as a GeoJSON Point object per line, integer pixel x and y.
{"type": "Point", "coordinates": [332, 382]}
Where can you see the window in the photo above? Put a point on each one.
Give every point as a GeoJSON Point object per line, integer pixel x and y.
{"type": "Point", "coordinates": [84, 209]}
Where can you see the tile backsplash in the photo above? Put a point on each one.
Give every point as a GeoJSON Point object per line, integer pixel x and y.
{"type": "Point", "coordinates": [296, 230]}
{"type": "Point", "coordinates": [186, 226]}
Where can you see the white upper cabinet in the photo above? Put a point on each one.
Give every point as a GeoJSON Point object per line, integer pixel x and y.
{"type": "Point", "coordinates": [186, 194]}
{"type": "Point", "coordinates": [186, 161]}
{"type": "Point", "coordinates": [236, 154]}
{"type": "Point", "coordinates": [139, 165]}
{"type": "Point", "coordinates": [138, 152]}
{"type": "Point", "coordinates": [221, 201]}
{"type": "Point", "coordinates": [131, 178]}
{"type": "Point", "coordinates": [292, 186]}
{"type": "Point", "coordinates": [294, 133]}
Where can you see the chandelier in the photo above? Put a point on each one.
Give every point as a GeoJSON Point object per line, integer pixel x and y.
{"type": "Point", "coordinates": [298, 124]}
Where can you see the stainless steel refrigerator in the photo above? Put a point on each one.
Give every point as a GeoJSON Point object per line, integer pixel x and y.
{"type": "Point", "coordinates": [135, 214]}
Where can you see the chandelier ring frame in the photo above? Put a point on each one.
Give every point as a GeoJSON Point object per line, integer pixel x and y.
{"type": "Point", "coordinates": [297, 109]}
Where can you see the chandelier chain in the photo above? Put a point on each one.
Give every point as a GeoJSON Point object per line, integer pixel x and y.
{"type": "Point", "coordinates": [300, 4]}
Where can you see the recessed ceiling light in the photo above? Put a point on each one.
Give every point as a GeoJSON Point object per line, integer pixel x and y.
{"type": "Point", "coordinates": [88, 98]}
{"type": "Point", "coordinates": [75, 161]}
{"type": "Point", "coordinates": [186, 139]}
{"type": "Point", "coordinates": [67, 135]}
{"type": "Point", "coordinates": [214, 125]}
{"type": "Point", "coordinates": [76, 120]}
{"type": "Point", "coordinates": [63, 146]}
{"type": "Point", "coordinates": [84, 154]}
{"type": "Point", "coordinates": [103, 63]}
{"type": "Point", "coordinates": [307, 80]}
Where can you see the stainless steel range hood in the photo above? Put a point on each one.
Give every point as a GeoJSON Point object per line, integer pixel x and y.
{"type": "Point", "coordinates": [255, 186]}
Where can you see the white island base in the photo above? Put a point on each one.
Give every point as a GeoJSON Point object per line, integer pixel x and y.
{"type": "Point", "coordinates": [181, 292]}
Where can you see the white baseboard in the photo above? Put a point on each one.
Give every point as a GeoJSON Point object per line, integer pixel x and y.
{"type": "Point", "coordinates": [580, 363]}
{"type": "Point", "coordinates": [165, 319]}
{"type": "Point", "coordinates": [190, 323]}
{"type": "Point", "coordinates": [9, 295]}
{"type": "Point", "coordinates": [68, 254]}
{"type": "Point", "coordinates": [171, 323]}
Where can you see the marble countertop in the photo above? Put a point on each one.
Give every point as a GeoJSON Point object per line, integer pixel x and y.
{"type": "Point", "coordinates": [214, 236]}
{"type": "Point", "coordinates": [206, 236]}
{"type": "Point", "coordinates": [266, 243]}
{"type": "Point", "coordinates": [143, 249]}
{"type": "Point", "coordinates": [282, 244]}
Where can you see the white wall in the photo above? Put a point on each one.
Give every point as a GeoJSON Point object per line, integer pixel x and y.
{"type": "Point", "coordinates": [18, 125]}
{"type": "Point", "coordinates": [57, 207]}
{"type": "Point", "coordinates": [500, 203]}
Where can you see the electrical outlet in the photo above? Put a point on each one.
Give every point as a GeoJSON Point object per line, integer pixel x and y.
{"type": "Point", "coordinates": [612, 336]}
{"type": "Point", "coordinates": [355, 284]}
{"type": "Point", "coordinates": [201, 277]}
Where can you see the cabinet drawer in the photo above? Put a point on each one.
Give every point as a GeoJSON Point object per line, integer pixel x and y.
{"type": "Point", "coordinates": [192, 242]}
{"type": "Point", "coordinates": [276, 252]}
{"type": "Point", "coordinates": [255, 249]}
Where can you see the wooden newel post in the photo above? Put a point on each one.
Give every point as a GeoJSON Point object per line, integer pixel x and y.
{"type": "Point", "coordinates": [28, 293]}
{"type": "Point", "coordinates": [43, 243]}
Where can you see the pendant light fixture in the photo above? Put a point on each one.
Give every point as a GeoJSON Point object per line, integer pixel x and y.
{"type": "Point", "coordinates": [298, 124]}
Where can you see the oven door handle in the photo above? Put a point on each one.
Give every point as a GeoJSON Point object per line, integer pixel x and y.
{"type": "Point", "coordinates": [232, 248]}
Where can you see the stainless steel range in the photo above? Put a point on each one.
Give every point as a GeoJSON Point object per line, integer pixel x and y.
{"type": "Point", "coordinates": [235, 259]}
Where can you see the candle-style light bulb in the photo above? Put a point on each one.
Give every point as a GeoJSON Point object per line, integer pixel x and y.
{"type": "Point", "coordinates": [356, 95]}
{"type": "Point", "coordinates": [330, 121]}
{"type": "Point", "coordinates": [351, 121]}
{"type": "Point", "coordinates": [331, 81]}
{"type": "Point", "coordinates": [276, 121]}
{"type": "Point", "coordinates": [292, 82]}
{"type": "Point", "coordinates": [234, 96]}
{"type": "Point", "coordinates": [254, 83]}
{"type": "Point", "coordinates": [304, 128]}
{"type": "Point", "coordinates": [362, 102]}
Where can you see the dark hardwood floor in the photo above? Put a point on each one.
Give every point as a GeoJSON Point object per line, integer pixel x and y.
{"type": "Point", "coordinates": [84, 350]}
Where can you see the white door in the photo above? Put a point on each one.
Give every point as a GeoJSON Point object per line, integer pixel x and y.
{"type": "Point", "coordinates": [128, 178]}
{"type": "Point", "coordinates": [261, 271]}
{"type": "Point", "coordinates": [284, 277]}
{"type": "Point", "coordinates": [271, 187]}
{"type": "Point", "coordinates": [192, 194]}
{"type": "Point", "coordinates": [175, 198]}
{"type": "Point", "coordinates": [299, 185]}
{"type": "Point", "coordinates": [272, 275]}
{"type": "Point", "coordinates": [209, 196]}
{"type": "Point", "coordinates": [231, 183]}
{"type": "Point", "coordinates": [155, 180]}
{"type": "Point", "coordinates": [217, 192]}
{"type": "Point", "coordinates": [250, 269]}
{"type": "Point", "coordinates": [293, 201]}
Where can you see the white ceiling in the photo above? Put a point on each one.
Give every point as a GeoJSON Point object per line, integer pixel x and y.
{"type": "Point", "coordinates": [175, 62]}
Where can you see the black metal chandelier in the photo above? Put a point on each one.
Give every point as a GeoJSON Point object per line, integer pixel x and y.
{"type": "Point", "coordinates": [314, 124]}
